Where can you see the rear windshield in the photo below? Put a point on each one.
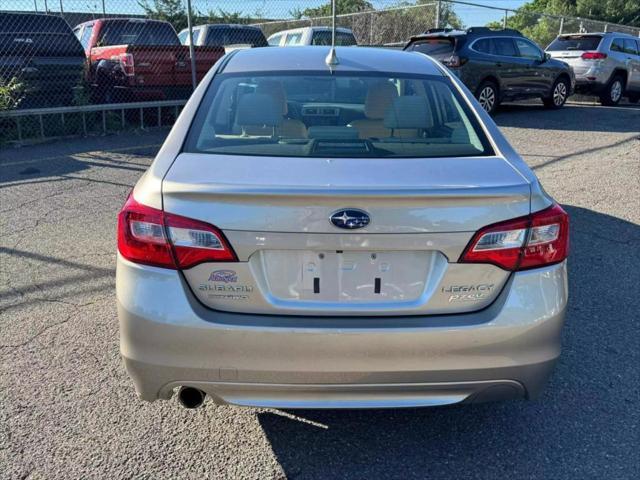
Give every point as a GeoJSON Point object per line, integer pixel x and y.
{"type": "Point", "coordinates": [318, 114]}
{"type": "Point", "coordinates": [37, 35]}
{"type": "Point", "coordinates": [134, 32]}
{"type": "Point", "coordinates": [575, 42]}
{"type": "Point", "coordinates": [434, 46]}
{"type": "Point", "coordinates": [221, 37]}
{"type": "Point", "coordinates": [324, 38]}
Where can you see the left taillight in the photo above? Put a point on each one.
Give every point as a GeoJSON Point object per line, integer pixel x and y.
{"type": "Point", "coordinates": [522, 243]}
{"type": "Point", "coordinates": [150, 236]}
{"type": "Point", "coordinates": [127, 64]}
{"type": "Point", "coordinates": [454, 61]}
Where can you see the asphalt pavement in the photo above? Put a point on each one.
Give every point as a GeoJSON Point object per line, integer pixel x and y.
{"type": "Point", "coordinates": [68, 409]}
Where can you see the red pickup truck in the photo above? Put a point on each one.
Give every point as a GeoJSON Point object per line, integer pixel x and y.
{"type": "Point", "coordinates": [138, 59]}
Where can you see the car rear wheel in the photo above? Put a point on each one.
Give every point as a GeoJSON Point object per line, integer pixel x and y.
{"type": "Point", "coordinates": [487, 95]}
{"type": "Point", "coordinates": [613, 93]}
{"type": "Point", "coordinates": [559, 94]}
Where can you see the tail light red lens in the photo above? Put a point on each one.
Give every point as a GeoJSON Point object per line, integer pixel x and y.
{"type": "Point", "coordinates": [152, 237]}
{"type": "Point", "coordinates": [126, 61]}
{"type": "Point", "coordinates": [522, 243]}
{"type": "Point", "coordinates": [454, 61]}
{"type": "Point", "coordinates": [593, 56]}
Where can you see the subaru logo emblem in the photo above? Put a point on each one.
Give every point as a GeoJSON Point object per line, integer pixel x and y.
{"type": "Point", "coordinates": [350, 218]}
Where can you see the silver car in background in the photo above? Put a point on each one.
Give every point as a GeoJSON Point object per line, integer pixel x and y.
{"type": "Point", "coordinates": [605, 64]}
{"type": "Point", "coordinates": [318, 35]}
{"type": "Point", "coordinates": [339, 236]}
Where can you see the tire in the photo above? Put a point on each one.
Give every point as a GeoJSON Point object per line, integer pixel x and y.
{"type": "Point", "coordinates": [613, 91]}
{"type": "Point", "coordinates": [559, 94]}
{"type": "Point", "coordinates": [487, 95]}
{"type": "Point", "coordinates": [634, 98]}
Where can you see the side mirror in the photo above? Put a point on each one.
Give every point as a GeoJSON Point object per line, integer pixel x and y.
{"type": "Point", "coordinates": [547, 56]}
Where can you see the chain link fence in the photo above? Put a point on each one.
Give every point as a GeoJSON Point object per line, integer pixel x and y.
{"type": "Point", "coordinates": [80, 66]}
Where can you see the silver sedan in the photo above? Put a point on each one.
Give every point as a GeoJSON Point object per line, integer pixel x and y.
{"type": "Point", "coordinates": [339, 235]}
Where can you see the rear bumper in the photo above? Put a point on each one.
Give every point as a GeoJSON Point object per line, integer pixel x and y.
{"type": "Point", "coordinates": [589, 86]}
{"type": "Point", "coordinates": [593, 80]}
{"type": "Point", "coordinates": [504, 351]}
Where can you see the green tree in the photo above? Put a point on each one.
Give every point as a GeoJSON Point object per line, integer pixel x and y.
{"type": "Point", "coordinates": [394, 24]}
{"type": "Point", "coordinates": [224, 16]}
{"type": "Point", "coordinates": [342, 6]}
{"type": "Point", "coordinates": [544, 29]}
{"type": "Point", "coordinates": [172, 11]}
{"type": "Point", "coordinates": [175, 12]}
{"type": "Point", "coordinates": [625, 12]}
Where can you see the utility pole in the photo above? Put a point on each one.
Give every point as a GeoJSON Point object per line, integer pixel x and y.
{"type": "Point", "coordinates": [438, 14]}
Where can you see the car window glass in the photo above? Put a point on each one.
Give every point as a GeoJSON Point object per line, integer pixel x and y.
{"type": "Point", "coordinates": [275, 41]}
{"type": "Point", "coordinates": [134, 32]}
{"type": "Point", "coordinates": [528, 50]}
{"type": "Point", "coordinates": [183, 37]}
{"type": "Point", "coordinates": [324, 38]}
{"type": "Point", "coordinates": [434, 46]}
{"type": "Point", "coordinates": [40, 34]}
{"type": "Point", "coordinates": [617, 45]}
{"type": "Point", "coordinates": [483, 45]}
{"type": "Point", "coordinates": [235, 36]}
{"type": "Point", "coordinates": [323, 115]}
{"type": "Point", "coordinates": [86, 36]}
{"type": "Point", "coordinates": [575, 42]}
{"type": "Point", "coordinates": [196, 35]}
{"type": "Point", "coordinates": [77, 32]}
{"type": "Point", "coordinates": [630, 46]}
{"type": "Point", "coordinates": [293, 39]}
{"type": "Point", "coordinates": [504, 47]}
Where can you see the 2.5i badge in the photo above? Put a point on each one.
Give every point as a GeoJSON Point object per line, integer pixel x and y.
{"type": "Point", "coordinates": [468, 293]}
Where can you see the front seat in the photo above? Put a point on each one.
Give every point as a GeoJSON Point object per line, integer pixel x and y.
{"type": "Point", "coordinates": [379, 98]}
{"type": "Point", "coordinates": [408, 117]}
{"type": "Point", "coordinates": [257, 111]}
{"type": "Point", "coordinates": [288, 127]}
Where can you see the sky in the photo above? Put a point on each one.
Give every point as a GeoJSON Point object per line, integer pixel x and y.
{"type": "Point", "coordinates": [268, 8]}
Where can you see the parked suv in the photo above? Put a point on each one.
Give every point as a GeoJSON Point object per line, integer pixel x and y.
{"type": "Point", "coordinates": [298, 37]}
{"type": "Point", "coordinates": [41, 54]}
{"type": "Point", "coordinates": [498, 65]}
{"type": "Point", "coordinates": [605, 64]}
{"type": "Point", "coordinates": [225, 35]}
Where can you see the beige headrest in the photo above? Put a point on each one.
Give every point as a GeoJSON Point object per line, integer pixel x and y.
{"type": "Point", "coordinates": [379, 98]}
{"type": "Point", "coordinates": [275, 90]}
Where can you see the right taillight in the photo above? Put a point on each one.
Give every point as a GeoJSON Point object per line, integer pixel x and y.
{"type": "Point", "coordinates": [593, 56]}
{"type": "Point", "coordinates": [522, 243]}
{"type": "Point", "coordinates": [150, 236]}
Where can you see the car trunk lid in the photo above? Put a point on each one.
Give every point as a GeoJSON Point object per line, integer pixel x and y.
{"type": "Point", "coordinates": [293, 260]}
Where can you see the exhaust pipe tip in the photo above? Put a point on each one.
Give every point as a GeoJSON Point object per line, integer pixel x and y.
{"type": "Point", "coordinates": [191, 397]}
